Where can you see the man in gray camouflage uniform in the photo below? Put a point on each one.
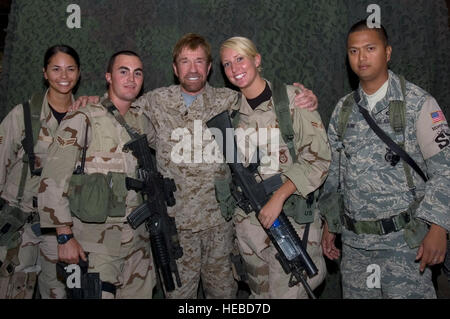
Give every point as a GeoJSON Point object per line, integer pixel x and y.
{"type": "Point", "coordinates": [379, 261]}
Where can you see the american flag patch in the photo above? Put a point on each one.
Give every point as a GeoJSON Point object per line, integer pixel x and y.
{"type": "Point", "coordinates": [437, 116]}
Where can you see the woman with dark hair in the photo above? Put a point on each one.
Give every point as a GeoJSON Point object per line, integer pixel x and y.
{"type": "Point", "coordinates": [26, 132]}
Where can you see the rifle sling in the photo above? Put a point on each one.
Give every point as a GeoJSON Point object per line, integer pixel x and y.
{"type": "Point", "coordinates": [386, 139]}
{"type": "Point", "coordinates": [115, 112]}
{"type": "Point", "coordinates": [305, 236]}
{"type": "Point", "coordinates": [80, 169]}
{"type": "Point", "coordinates": [27, 144]}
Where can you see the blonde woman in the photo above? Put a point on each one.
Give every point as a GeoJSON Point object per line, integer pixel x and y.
{"type": "Point", "coordinates": [301, 175]}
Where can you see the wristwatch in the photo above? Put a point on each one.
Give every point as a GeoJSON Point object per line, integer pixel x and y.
{"type": "Point", "coordinates": [63, 238]}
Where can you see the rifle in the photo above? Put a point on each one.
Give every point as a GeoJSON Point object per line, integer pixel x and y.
{"type": "Point", "coordinates": [290, 252]}
{"type": "Point", "coordinates": [157, 192]}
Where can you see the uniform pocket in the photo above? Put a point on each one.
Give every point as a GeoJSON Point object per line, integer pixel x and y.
{"type": "Point", "coordinates": [89, 197]}
{"type": "Point", "coordinates": [297, 208]}
{"type": "Point", "coordinates": [224, 197]}
{"type": "Point", "coordinates": [331, 207]}
{"type": "Point", "coordinates": [12, 220]}
{"type": "Point", "coordinates": [118, 194]}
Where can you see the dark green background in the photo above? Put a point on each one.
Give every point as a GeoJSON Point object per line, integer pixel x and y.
{"type": "Point", "coordinates": [300, 40]}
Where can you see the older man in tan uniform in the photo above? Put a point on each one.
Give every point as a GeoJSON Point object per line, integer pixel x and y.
{"type": "Point", "coordinates": [179, 113]}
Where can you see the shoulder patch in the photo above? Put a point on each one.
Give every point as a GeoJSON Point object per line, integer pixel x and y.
{"type": "Point", "coordinates": [64, 142]}
{"type": "Point", "coordinates": [283, 156]}
{"type": "Point", "coordinates": [437, 117]}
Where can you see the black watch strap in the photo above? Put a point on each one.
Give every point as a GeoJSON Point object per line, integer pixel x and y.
{"type": "Point", "coordinates": [63, 238]}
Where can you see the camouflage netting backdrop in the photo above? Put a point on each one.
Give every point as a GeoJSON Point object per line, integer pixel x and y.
{"type": "Point", "coordinates": [301, 40]}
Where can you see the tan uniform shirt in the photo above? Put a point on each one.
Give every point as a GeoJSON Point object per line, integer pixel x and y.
{"type": "Point", "coordinates": [313, 152]}
{"type": "Point", "coordinates": [105, 140]}
{"type": "Point", "coordinates": [180, 146]}
{"type": "Point", "coordinates": [12, 132]}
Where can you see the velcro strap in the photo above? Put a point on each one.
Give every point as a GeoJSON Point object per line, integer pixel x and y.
{"type": "Point", "coordinates": [376, 227]}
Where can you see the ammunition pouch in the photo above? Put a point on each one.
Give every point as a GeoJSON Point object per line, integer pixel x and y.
{"type": "Point", "coordinates": [416, 229]}
{"type": "Point", "coordinates": [301, 209]}
{"type": "Point", "coordinates": [94, 197]}
{"type": "Point", "coordinates": [118, 194]}
{"type": "Point", "coordinates": [331, 207]}
{"type": "Point", "coordinates": [12, 220]}
{"type": "Point", "coordinates": [415, 232]}
{"type": "Point", "coordinates": [226, 201]}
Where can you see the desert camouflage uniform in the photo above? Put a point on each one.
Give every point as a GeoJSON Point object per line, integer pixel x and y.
{"type": "Point", "coordinates": [120, 254]}
{"type": "Point", "coordinates": [36, 254]}
{"type": "Point", "coordinates": [205, 237]}
{"type": "Point", "coordinates": [266, 276]}
{"type": "Point", "coordinates": [373, 190]}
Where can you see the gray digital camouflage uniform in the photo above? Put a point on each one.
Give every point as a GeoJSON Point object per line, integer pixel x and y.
{"type": "Point", "coordinates": [267, 278]}
{"type": "Point", "coordinates": [36, 254]}
{"type": "Point", "coordinates": [120, 254]}
{"type": "Point", "coordinates": [373, 190]}
{"type": "Point", "coordinates": [206, 238]}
